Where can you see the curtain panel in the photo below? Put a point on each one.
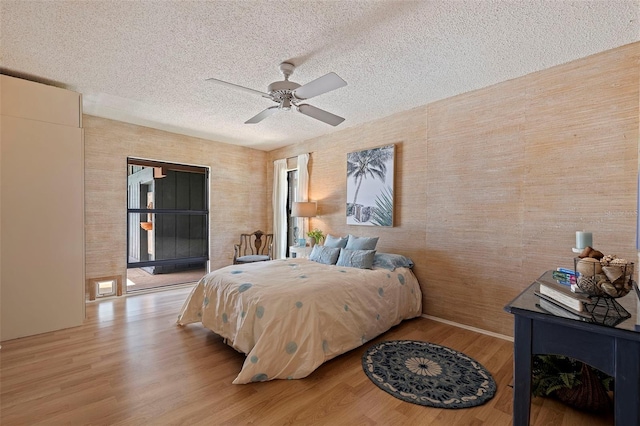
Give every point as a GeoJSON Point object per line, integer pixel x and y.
{"type": "Point", "coordinates": [279, 202]}
{"type": "Point", "coordinates": [303, 191]}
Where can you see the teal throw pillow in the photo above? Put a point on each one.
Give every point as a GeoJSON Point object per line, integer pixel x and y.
{"type": "Point", "coordinates": [361, 243]}
{"type": "Point", "coordinates": [362, 259]}
{"type": "Point", "coordinates": [339, 242]}
{"type": "Point", "coordinates": [391, 261]}
{"type": "Point", "coordinates": [323, 254]}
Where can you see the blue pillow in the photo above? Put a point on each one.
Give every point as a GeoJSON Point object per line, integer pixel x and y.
{"type": "Point", "coordinates": [391, 261]}
{"type": "Point", "coordinates": [361, 243]}
{"type": "Point", "coordinates": [362, 259]}
{"type": "Point", "coordinates": [323, 254]}
{"type": "Point", "coordinates": [331, 241]}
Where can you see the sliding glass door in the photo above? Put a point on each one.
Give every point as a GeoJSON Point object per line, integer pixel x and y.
{"type": "Point", "coordinates": [167, 223]}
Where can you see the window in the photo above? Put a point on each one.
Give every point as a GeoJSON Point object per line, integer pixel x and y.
{"type": "Point", "coordinates": [293, 232]}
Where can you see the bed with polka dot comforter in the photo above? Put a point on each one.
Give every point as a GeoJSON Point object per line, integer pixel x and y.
{"type": "Point", "coordinates": [291, 315]}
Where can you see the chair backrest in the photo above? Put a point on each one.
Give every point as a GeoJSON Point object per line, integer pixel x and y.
{"type": "Point", "coordinates": [255, 243]}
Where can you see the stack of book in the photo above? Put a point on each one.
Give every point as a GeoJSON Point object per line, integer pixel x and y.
{"type": "Point", "coordinates": [556, 297]}
{"type": "Point", "coordinates": [564, 276]}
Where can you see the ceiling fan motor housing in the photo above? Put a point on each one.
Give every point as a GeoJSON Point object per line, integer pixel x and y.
{"type": "Point", "coordinates": [284, 87]}
{"type": "Point", "coordinates": [281, 91]}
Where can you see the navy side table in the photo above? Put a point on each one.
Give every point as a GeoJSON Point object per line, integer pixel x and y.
{"type": "Point", "coordinates": [614, 350]}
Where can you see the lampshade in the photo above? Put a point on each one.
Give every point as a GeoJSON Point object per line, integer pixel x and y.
{"type": "Point", "coordinates": [303, 209]}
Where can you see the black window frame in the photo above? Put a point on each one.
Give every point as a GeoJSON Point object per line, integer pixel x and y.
{"type": "Point", "coordinates": [178, 167]}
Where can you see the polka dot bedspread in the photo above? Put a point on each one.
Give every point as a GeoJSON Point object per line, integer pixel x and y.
{"type": "Point", "coordinates": [291, 315]}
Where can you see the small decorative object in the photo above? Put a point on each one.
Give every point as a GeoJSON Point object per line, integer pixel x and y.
{"type": "Point", "coordinates": [583, 239]}
{"type": "Point", "coordinates": [147, 226]}
{"type": "Point", "coordinates": [572, 382]}
{"type": "Point", "coordinates": [316, 235]}
{"type": "Point", "coordinates": [603, 276]}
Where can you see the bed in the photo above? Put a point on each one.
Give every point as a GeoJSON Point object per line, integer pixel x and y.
{"type": "Point", "coordinates": [291, 315]}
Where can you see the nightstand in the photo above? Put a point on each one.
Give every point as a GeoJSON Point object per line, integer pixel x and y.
{"type": "Point", "coordinates": [295, 251]}
{"type": "Point", "coordinates": [613, 349]}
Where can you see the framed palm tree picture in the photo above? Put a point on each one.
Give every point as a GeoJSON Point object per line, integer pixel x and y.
{"type": "Point", "coordinates": [370, 176]}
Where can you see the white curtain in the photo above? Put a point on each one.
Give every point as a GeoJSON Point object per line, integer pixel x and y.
{"type": "Point", "coordinates": [279, 209]}
{"type": "Point", "coordinates": [303, 191]}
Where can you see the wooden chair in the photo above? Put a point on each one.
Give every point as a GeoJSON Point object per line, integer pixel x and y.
{"type": "Point", "coordinates": [255, 247]}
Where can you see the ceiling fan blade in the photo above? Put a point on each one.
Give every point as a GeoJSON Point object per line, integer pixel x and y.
{"type": "Point", "coordinates": [262, 115]}
{"type": "Point", "coordinates": [320, 85]}
{"type": "Point", "coordinates": [320, 114]}
{"type": "Point", "coordinates": [235, 86]}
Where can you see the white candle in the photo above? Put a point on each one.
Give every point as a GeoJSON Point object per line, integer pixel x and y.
{"type": "Point", "coordinates": [583, 239]}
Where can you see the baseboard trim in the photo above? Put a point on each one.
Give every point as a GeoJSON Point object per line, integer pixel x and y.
{"type": "Point", "coordinates": [468, 327]}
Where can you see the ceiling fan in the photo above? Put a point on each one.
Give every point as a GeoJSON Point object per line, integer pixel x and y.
{"type": "Point", "coordinates": [288, 94]}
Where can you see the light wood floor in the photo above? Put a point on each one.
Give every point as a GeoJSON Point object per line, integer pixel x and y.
{"type": "Point", "coordinates": [131, 365]}
{"type": "Point", "coordinates": [142, 280]}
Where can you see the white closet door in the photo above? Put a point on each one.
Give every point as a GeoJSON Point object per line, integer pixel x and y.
{"type": "Point", "coordinates": [42, 227]}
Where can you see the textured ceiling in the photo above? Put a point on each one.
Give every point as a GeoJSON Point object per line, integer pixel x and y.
{"type": "Point", "coordinates": [145, 62]}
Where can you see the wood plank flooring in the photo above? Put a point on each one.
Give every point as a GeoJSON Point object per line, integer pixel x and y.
{"type": "Point", "coordinates": [139, 279]}
{"type": "Point", "coordinates": [131, 365]}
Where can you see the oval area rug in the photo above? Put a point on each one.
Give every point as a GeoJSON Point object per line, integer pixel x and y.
{"type": "Point", "coordinates": [428, 374]}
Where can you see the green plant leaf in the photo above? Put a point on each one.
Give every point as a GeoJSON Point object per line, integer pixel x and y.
{"type": "Point", "coordinates": [383, 211]}
{"type": "Point", "coordinates": [316, 234]}
{"type": "Point", "coordinates": [553, 372]}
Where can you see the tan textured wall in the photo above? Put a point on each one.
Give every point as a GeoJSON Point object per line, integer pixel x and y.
{"type": "Point", "coordinates": [492, 185]}
{"type": "Point", "coordinates": [237, 189]}
{"type": "Point", "coordinates": [328, 169]}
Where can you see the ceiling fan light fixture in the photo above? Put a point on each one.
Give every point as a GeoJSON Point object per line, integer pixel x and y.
{"type": "Point", "coordinates": [285, 105]}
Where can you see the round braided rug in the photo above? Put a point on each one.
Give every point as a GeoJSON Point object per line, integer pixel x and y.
{"type": "Point", "coordinates": [428, 374]}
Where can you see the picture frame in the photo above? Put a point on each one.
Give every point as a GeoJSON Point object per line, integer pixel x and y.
{"type": "Point", "coordinates": [370, 186]}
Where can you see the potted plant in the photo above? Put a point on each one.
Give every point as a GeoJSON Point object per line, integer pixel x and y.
{"type": "Point", "coordinates": [572, 382]}
{"type": "Point", "coordinates": [316, 235]}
